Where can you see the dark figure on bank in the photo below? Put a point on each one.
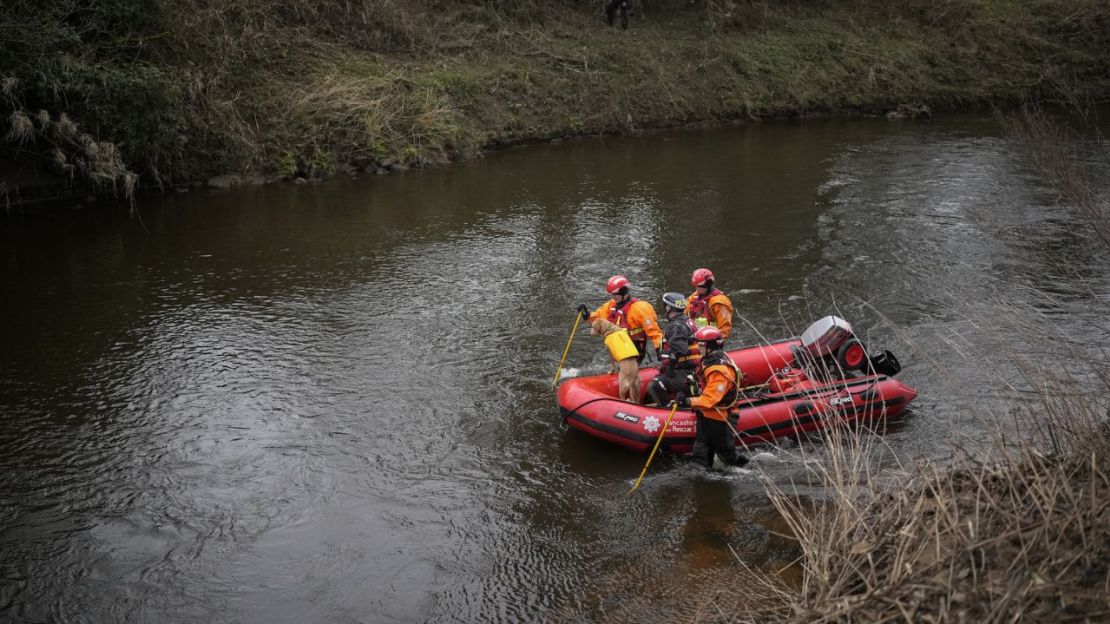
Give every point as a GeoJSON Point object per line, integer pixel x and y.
{"type": "Point", "coordinates": [719, 379]}
{"type": "Point", "coordinates": [611, 9]}
{"type": "Point", "coordinates": [679, 356]}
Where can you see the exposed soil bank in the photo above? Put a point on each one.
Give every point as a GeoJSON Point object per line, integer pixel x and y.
{"type": "Point", "coordinates": [189, 90]}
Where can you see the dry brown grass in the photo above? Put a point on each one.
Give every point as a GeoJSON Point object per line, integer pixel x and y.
{"type": "Point", "coordinates": [71, 151]}
{"type": "Point", "coordinates": [1049, 145]}
{"type": "Point", "coordinates": [1014, 528]}
{"type": "Point", "coordinates": [355, 111]}
{"type": "Point", "coordinates": [1019, 534]}
{"type": "Point", "coordinates": [20, 127]}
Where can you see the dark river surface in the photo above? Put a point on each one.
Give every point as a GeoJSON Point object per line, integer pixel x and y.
{"type": "Point", "coordinates": [333, 403]}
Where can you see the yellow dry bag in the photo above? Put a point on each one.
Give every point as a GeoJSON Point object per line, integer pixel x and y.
{"type": "Point", "coordinates": [620, 345]}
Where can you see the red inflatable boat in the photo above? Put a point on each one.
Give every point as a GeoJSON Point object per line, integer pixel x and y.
{"type": "Point", "coordinates": [797, 385]}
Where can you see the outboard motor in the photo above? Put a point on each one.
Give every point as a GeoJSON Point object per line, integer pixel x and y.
{"type": "Point", "coordinates": [830, 348]}
{"type": "Point", "coordinates": [886, 364]}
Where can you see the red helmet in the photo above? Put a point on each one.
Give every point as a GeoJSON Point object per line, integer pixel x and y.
{"type": "Point", "coordinates": [700, 277]}
{"type": "Point", "coordinates": [708, 334]}
{"type": "Point", "coordinates": [616, 283]}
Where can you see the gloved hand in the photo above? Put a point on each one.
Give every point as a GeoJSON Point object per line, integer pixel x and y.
{"type": "Point", "coordinates": [693, 385]}
{"type": "Point", "coordinates": [583, 311]}
{"type": "Point", "coordinates": [681, 400]}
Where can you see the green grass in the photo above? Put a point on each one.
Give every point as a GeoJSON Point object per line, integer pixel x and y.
{"type": "Point", "coordinates": [199, 89]}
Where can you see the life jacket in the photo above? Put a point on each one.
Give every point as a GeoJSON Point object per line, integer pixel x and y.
{"type": "Point", "coordinates": [719, 359]}
{"type": "Point", "coordinates": [786, 379]}
{"type": "Point", "coordinates": [619, 317]}
{"type": "Point", "coordinates": [698, 309]}
{"type": "Point", "coordinates": [693, 355]}
{"type": "Point", "coordinates": [620, 346]}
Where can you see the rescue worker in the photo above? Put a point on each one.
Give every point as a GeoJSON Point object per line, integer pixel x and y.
{"type": "Point", "coordinates": [707, 305]}
{"type": "Point", "coordinates": [626, 311]}
{"type": "Point", "coordinates": [719, 379]}
{"type": "Point", "coordinates": [679, 358]}
{"type": "Point", "coordinates": [612, 7]}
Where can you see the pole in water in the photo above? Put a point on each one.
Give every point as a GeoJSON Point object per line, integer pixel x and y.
{"type": "Point", "coordinates": [654, 448]}
{"type": "Point", "coordinates": [559, 369]}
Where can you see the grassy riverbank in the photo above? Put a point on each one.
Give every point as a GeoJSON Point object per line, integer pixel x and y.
{"type": "Point", "coordinates": [179, 91]}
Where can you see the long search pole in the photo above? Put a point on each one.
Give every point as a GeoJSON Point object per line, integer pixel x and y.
{"type": "Point", "coordinates": [655, 448]}
{"type": "Point", "coordinates": [577, 320]}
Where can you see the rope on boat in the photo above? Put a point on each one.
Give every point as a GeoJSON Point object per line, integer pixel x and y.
{"type": "Point", "coordinates": [594, 400]}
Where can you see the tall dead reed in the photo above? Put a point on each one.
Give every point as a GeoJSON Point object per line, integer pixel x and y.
{"type": "Point", "coordinates": [1021, 532]}
{"type": "Point", "coordinates": [71, 151]}
{"type": "Point", "coordinates": [1016, 528]}
{"type": "Point", "coordinates": [1049, 145]}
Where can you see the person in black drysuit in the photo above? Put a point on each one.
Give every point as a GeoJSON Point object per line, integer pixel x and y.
{"type": "Point", "coordinates": [611, 9]}
{"type": "Point", "coordinates": [679, 356]}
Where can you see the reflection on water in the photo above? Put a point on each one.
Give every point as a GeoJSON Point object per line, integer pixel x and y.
{"type": "Point", "coordinates": [333, 403]}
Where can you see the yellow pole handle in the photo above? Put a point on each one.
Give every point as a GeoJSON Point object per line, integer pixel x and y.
{"type": "Point", "coordinates": [577, 320]}
{"type": "Point", "coordinates": [655, 448]}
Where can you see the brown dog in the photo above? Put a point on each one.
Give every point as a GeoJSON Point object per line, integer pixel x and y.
{"type": "Point", "coordinates": [628, 369]}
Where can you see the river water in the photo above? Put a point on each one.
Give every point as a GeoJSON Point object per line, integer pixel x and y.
{"type": "Point", "coordinates": [332, 402]}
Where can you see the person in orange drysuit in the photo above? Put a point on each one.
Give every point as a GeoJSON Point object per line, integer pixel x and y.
{"type": "Point", "coordinates": [626, 311]}
{"type": "Point", "coordinates": [707, 305]}
{"type": "Point", "coordinates": [719, 379]}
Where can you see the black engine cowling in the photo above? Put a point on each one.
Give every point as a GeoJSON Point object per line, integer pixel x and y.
{"type": "Point", "coordinates": [886, 364]}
